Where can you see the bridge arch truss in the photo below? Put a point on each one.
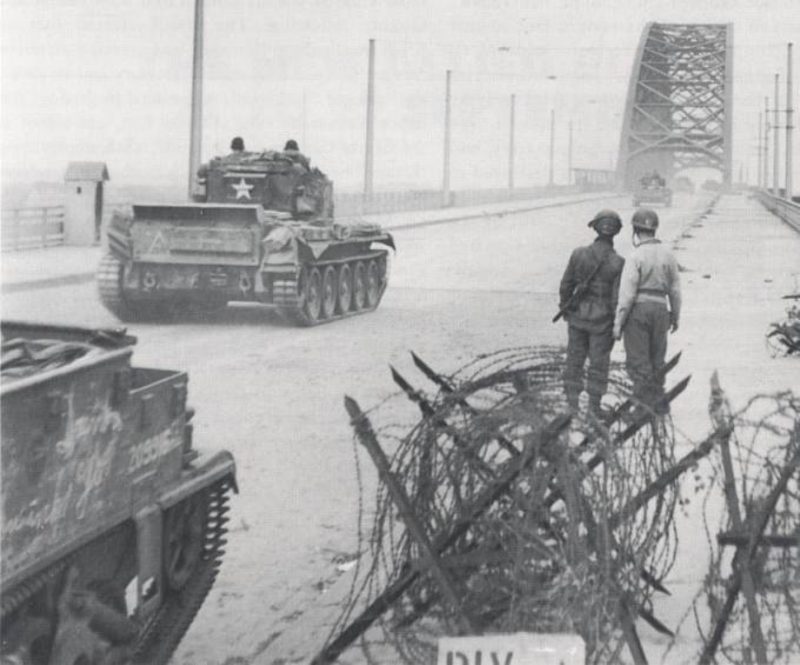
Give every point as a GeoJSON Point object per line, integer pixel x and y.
{"type": "Point", "coordinates": [679, 108]}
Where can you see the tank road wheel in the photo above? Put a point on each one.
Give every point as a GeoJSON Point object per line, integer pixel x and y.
{"type": "Point", "coordinates": [359, 286]}
{"type": "Point", "coordinates": [345, 289]}
{"type": "Point", "coordinates": [373, 294]}
{"type": "Point", "coordinates": [329, 284]}
{"type": "Point", "coordinates": [311, 298]}
{"type": "Point", "coordinates": [184, 526]}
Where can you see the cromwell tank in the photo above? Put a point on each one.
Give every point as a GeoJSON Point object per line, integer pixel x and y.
{"type": "Point", "coordinates": [650, 191]}
{"type": "Point", "coordinates": [113, 523]}
{"type": "Point", "coordinates": [262, 230]}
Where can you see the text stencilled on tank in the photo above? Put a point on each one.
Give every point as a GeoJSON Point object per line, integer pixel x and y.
{"type": "Point", "coordinates": [152, 449]}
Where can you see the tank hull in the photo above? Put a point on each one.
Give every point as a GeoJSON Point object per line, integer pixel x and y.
{"type": "Point", "coordinates": [179, 258]}
{"type": "Point", "coordinates": [650, 196]}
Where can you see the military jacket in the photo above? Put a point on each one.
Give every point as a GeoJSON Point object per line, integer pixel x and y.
{"type": "Point", "coordinates": [594, 312]}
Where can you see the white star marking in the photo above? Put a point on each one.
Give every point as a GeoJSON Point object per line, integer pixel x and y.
{"type": "Point", "coordinates": [242, 189]}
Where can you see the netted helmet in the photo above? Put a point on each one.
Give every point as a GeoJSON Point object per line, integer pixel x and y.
{"type": "Point", "coordinates": [645, 219]}
{"type": "Point", "coordinates": [606, 222]}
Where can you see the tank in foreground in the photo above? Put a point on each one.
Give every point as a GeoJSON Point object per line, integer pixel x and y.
{"type": "Point", "coordinates": [113, 523]}
{"type": "Point", "coordinates": [262, 231]}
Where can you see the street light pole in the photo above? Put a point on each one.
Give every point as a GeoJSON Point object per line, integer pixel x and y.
{"type": "Point", "coordinates": [550, 180]}
{"type": "Point", "coordinates": [760, 173]}
{"type": "Point", "coordinates": [446, 170]}
{"type": "Point", "coordinates": [776, 165]}
{"type": "Point", "coordinates": [569, 156]}
{"type": "Point", "coordinates": [368, 159]}
{"type": "Point", "coordinates": [511, 146]}
{"type": "Point", "coordinates": [766, 142]}
{"type": "Point", "coordinates": [789, 120]}
{"type": "Point", "coordinates": [196, 131]}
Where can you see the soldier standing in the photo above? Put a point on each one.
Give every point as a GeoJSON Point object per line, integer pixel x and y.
{"type": "Point", "coordinates": [649, 283]}
{"type": "Point", "coordinates": [588, 295]}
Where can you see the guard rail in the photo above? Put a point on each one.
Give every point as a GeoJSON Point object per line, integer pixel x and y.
{"type": "Point", "coordinates": [30, 228]}
{"type": "Point", "coordinates": [788, 211]}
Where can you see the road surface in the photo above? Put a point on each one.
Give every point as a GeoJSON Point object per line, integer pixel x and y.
{"type": "Point", "coordinates": [272, 394]}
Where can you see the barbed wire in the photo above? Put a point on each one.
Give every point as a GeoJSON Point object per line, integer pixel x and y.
{"type": "Point", "coordinates": [558, 550]}
{"type": "Point", "coordinates": [764, 449]}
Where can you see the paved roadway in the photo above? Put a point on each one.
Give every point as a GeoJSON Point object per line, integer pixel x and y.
{"type": "Point", "coordinates": [272, 394]}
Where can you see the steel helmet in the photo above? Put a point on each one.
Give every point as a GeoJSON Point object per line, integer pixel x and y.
{"type": "Point", "coordinates": [645, 219]}
{"type": "Point", "coordinates": [291, 144]}
{"type": "Point", "coordinates": [237, 143]}
{"type": "Point", "coordinates": [612, 222]}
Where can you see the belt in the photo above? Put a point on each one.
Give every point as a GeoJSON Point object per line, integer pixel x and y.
{"type": "Point", "coordinates": [653, 292]}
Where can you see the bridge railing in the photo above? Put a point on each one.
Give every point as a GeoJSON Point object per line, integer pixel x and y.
{"type": "Point", "coordinates": [353, 204]}
{"type": "Point", "coordinates": [788, 211]}
{"type": "Point", "coordinates": [30, 228]}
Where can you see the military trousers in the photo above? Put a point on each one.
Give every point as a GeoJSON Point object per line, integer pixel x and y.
{"type": "Point", "coordinates": [645, 349]}
{"type": "Point", "coordinates": [597, 347]}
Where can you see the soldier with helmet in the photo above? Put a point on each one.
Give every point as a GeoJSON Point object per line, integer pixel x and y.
{"type": "Point", "coordinates": [649, 307]}
{"type": "Point", "coordinates": [237, 148]}
{"type": "Point", "coordinates": [588, 295]}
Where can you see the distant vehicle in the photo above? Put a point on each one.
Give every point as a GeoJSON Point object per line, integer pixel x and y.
{"type": "Point", "coordinates": [263, 231]}
{"type": "Point", "coordinates": [652, 189]}
{"type": "Point", "coordinates": [113, 523]}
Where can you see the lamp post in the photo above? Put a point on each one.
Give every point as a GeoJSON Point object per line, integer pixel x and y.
{"type": "Point", "coordinates": [550, 179]}
{"type": "Point", "coordinates": [446, 168]}
{"type": "Point", "coordinates": [368, 158]}
{"type": "Point", "coordinates": [789, 121]}
{"type": "Point", "coordinates": [196, 132]}
{"type": "Point", "coordinates": [511, 146]}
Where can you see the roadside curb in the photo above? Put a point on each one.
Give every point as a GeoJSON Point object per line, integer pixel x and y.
{"type": "Point", "coordinates": [491, 213]}
{"type": "Point", "coordinates": [49, 282]}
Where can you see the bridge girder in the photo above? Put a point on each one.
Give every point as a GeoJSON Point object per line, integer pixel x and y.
{"type": "Point", "coordinates": [678, 112]}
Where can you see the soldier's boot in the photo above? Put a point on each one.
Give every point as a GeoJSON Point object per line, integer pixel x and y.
{"type": "Point", "coordinates": [596, 408]}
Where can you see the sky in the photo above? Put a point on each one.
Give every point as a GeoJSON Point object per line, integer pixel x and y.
{"type": "Point", "coordinates": [111, 81]}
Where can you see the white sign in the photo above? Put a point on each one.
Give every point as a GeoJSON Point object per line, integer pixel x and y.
{"type": "Point", "coordinates": [513, 649]}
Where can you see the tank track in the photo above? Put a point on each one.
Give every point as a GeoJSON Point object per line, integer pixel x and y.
{"type": "Point", "coordinates": [25, 590]}
{"type": "Point", "coordinates": [161, 635]}
{"type": "Point", "coordinates": [109, 286]}
{"type": "Point", "coordinates": [291, 303]}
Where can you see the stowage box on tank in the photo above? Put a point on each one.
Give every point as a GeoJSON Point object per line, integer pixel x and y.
{"type": "Point", "coordinates": [264, 232]}
{"type": "Point", "coordinates": [113, 523]}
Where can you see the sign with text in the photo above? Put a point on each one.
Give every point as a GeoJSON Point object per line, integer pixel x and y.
{"type": "Point", "coordinates": [513, 649]}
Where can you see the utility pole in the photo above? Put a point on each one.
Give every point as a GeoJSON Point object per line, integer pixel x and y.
{"type": "Point", "coordinates": [550, 180]}
{"type": "Point", "coordinates": [196, 131]}
{"type": "Point", "coordinates": [766, 143]}
{"type": "Point", "coordinates": [776, 148]}
{"type": "Point", "coordinates": [569, 156]}
{"type": "Point", "coordinates": [511, 146]}
{"type": "Point", "coordinates": [760, 148]}
{"type": "Point", "coordinates": [446, 172]}
{"type": "Point", "coordinates": [368, 159]}
{"type": "Point", "coordinates": [789, 121]}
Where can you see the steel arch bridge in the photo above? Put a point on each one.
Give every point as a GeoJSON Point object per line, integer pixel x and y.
{"type": "Point", "coordinates": [679, 109]}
